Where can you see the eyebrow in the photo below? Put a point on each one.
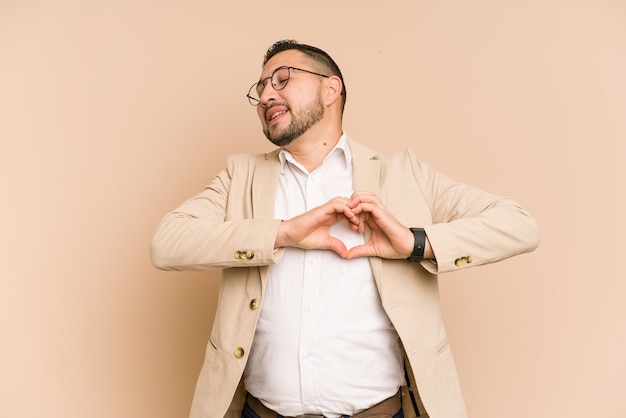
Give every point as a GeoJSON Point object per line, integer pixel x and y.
{"type": "Point", "coordinates": [272, 73]}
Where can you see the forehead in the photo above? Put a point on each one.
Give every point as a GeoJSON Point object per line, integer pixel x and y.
{"type": "Point", "coordinates": [291, 57]}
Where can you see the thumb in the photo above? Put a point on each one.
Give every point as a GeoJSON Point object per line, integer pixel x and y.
{"type": "Point", "coordinates": [337, 246]}
{"type": "Point", "coordinates": [363, 250]}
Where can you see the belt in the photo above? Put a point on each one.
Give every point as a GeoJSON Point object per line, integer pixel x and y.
{"type": "Point", "coordinates": [387, 408]}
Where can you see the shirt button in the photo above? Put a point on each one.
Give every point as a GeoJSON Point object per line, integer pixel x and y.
{"type": "Point", "coordinates": [239, 352]}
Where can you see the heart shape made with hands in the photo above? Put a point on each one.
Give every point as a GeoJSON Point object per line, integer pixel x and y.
{"type": "Point", "coordinates": [343, 226]}
{"type": "Point", "coordinates": [363, 240]}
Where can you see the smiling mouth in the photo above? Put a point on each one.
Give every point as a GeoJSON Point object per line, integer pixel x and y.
{"type": "Point", "coordinates": [277, 114]}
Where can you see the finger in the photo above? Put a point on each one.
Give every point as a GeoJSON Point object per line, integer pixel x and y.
{"type": "Point", "coordinates": [361, 226]}
{"type": "Point", "coordinates": [333, 212]}
{"type": "Point", "coordinates": [362, 197]}
{"type": "Point", "coordinates": [337, 246]}
{"type": "Point", "coordinates": [365, 207]}
{"type": "Point", "coordinates": [352, 217]}
{"type": "Point", "coordinates": [363, 250]}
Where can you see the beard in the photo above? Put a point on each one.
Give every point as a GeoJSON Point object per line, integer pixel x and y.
{"type": "Point", "coordinates": [300, 123]}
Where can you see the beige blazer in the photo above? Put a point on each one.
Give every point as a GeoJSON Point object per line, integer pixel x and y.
{"type": "Point", "coordinates": [231, 225]}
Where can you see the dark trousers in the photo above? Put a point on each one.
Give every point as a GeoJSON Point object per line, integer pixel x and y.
{"type": "Point", "coordinates": [249, 413]}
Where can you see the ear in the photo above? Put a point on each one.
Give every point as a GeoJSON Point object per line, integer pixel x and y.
{"type": "Point", "coordinates": [333, 90]}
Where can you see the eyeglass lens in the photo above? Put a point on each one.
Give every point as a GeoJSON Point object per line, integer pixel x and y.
{"type": "Point", "coordinates": [279, 80]}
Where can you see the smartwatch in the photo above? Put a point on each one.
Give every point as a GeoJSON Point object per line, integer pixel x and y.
{"type": "Point", "coordinates": [419, 236]}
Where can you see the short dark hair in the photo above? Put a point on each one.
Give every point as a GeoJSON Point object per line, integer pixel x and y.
{"type": "Point", "coordinates": [316, 54]}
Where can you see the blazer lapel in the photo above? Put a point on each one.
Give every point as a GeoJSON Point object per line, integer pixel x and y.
{"type": "Point", "coordinates": [366, 178]}
{"type": "Point", "coordinates": [264, 183]}
{"type": "Point", "coordinates": [366, 167]}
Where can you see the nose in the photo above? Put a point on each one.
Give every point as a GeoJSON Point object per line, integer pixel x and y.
{"type": "Point", "coordinates": [268, 93]}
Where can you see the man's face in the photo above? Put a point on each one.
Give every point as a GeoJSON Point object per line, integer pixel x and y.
{"type": "Point", "coordinates": [288, 113]}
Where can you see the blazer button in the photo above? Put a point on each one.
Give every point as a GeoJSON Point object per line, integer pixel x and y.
{"type": "Point", "coordinates": [237, 255]}
{"type": "Point", "coordinates": [239, 352]}
{"type": "Point", "coordinates": [249, 254]}
{"type": "Point", "coordinates": [254, 304]}
{"type": "Point", "coordinates": [463, 260]}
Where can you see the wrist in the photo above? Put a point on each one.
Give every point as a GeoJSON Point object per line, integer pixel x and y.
{"type": "Point", "coordinates": [280, 240]}
{"type": "Point", "coordinates": [419, 244]}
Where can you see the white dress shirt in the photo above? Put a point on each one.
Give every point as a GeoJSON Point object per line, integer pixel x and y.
{"type": "Point", "coordinates": [323, 343]}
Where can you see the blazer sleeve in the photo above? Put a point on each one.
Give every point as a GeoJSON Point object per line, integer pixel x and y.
{"type": "Point", "coordinates": [216, 228]}
{"type": "Point", "coordinates": [471, 227]}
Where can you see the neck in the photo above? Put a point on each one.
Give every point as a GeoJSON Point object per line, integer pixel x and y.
{"type": "Point", "coordinates": [311, 148]}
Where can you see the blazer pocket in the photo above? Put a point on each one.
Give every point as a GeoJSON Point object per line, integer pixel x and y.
{"type": "Point", "coordinates": [348, 268]}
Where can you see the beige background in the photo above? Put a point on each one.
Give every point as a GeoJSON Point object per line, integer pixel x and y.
{"type": "Point", "coordinates": [113, 112]}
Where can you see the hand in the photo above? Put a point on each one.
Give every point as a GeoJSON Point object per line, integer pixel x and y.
{"type": "Point", "coordinates": [311, 230]}
{"type": "Point", "coordinates": [390, 239]}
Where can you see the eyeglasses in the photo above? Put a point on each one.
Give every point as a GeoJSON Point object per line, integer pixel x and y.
{"type": "Point", "coordinates": [279, 79]}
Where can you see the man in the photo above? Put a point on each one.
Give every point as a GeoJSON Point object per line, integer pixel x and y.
{"type": "Point", "coordinates": [329, 301]}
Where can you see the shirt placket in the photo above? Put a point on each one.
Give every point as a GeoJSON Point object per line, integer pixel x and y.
{"type": "Point", "coordinates": [309, 306]}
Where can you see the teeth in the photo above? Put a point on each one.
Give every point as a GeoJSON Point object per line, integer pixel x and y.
{"type": "Point", "coordinates": [275, 115]}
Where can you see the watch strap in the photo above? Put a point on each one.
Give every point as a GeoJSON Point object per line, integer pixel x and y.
{"type": "Point", "coordinates": [419, 243]}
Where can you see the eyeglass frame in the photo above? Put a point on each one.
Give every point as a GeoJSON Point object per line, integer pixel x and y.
{"type": "Point", "coordinates": [252, 99]}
